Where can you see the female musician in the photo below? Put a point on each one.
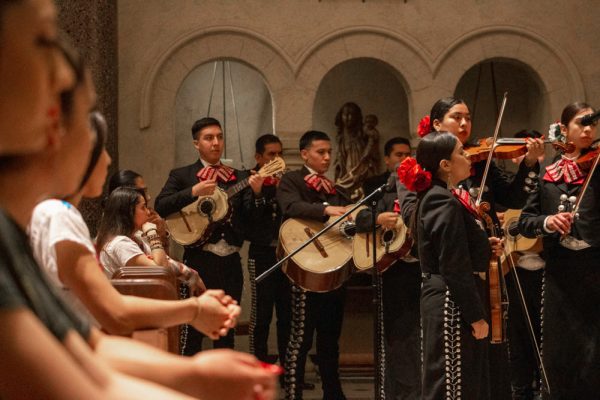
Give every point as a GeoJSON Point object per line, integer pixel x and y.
{"type": "Point", "coordinates": [453, 115]}
{"type": "Point", "coordinates": [453, 314]}
{"type": "Point", "coordinates": [571, 294]}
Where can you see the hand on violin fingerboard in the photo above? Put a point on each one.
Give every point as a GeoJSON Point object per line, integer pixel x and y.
{"type": "Point", "coordinates": [535, 150]}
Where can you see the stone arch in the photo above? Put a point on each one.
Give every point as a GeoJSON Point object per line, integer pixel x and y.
{"type": "Point", "coordinates": [404, 54]}
{"type": "Point", "coordinates": [155, 156]}
{"type": "Point", "coordinates": [559, 78]}
{"type": "Point", "coordinates": [199, 47]}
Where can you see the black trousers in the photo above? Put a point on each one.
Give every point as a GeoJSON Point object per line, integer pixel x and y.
{"type": "Point", "coordinates": [272, 292]}
{"type": "Point", "coordinates": [523, 360]}
{"type": "Point", "coordinates": [217, 273]}
{"type": "Point", "coordinates": [455, 363]}
{"type": "Point", "coordinates": [571, 323]}
{"type": "Point", "coordinates": [321, 313]}
{"type": "Point", "coordinates": [401, 316]}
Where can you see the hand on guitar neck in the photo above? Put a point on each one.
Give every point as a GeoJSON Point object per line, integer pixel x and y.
{"type": "Point", "coordinates": [204, 188]}
{"type": "Point", "coordinates": [256, 182]}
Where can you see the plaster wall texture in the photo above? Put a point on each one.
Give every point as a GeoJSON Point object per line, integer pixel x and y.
{"type": "Point", "coordinates": [293, 44]}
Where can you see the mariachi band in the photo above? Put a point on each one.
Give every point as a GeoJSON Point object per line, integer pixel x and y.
{"type": "Point", "coordinates": [489, 279]}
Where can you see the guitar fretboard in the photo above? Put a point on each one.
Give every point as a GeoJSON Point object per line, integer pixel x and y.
{"type": "Point", "coordinates": [238, 187]}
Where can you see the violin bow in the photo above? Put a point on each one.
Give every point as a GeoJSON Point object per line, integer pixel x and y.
{"type": "Point", "coordinates": [586, 184]}
{"type": "Point", "coordinates": [491, 155]}
{"type": "Point", "coordinates": [531, 331]}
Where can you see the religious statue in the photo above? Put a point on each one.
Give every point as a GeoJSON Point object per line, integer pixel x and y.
{"type": "Point", "coordinates": [357, 149]}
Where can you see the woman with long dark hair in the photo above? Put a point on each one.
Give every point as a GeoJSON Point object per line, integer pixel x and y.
{"type": "Point", "coordinates": [127, 177]}
{"type": "Point", "coordinates": [454, 251]}
{"type": "Point", "coordinates": [571, 289]}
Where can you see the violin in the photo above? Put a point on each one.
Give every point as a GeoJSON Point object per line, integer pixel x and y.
{"type": "Point", "coordinates": [586, 161]}
{"type": "Point", "coordinates": [507, 148]}
{"type": "Point", "coordinates": [497, 286]}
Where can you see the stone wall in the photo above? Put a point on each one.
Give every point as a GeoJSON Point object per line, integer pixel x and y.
{"type": "Point", "coordinates": [294, 44]}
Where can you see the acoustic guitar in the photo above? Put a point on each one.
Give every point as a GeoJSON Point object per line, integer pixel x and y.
{"type": "Point", "coordinates": [392, 244]}
{"type": "Point", "coordinates": [194, 223]}
{"type": "Point", "coordinates": [518, 243]}
{"type": "Point", "coordinates": [326, 263]}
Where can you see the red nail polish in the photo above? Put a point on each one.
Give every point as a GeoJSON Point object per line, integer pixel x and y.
{"type": "Point", "coordinates": [273, 368]}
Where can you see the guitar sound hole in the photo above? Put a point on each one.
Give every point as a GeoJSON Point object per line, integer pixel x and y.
{"type": "Point", "coordinates": [206, 207]}
{"type": "Point", "coordinates": [388, 236]}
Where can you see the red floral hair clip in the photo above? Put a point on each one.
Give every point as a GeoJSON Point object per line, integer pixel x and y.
{"type": "Point", "coordinates": [415, 178]}
{"type": "Point", "coordinates": [423, 128]}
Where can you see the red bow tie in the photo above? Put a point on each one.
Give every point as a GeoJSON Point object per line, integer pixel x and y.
{"type": "Point", "coordinates": [319, 183]}
{"type": "Point", "coordinates": [220, 172]}
{"type": "Point", "coordinates": [565, 169]}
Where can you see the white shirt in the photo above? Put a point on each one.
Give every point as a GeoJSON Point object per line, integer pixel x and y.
{"type": "Point", "coordinates": [55, 221]}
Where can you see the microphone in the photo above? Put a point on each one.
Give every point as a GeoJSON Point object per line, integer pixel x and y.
{"type": "Point", "coordinates": [590, 118]}
{"type": "Point", "coordinates": [390, 185]}
{"type": "Point", "coordinates": [513, 229]}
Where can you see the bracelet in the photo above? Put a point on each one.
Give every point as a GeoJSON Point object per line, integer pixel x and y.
{"type": "Point", "coordinates": [152, 238]}
{"type": "Point", "coordinates": [156, 247]}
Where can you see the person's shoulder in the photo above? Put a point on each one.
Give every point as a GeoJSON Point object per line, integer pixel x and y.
{"type": "Point", "coordinates": [184, 169]}
{"type": "Point", "coordinates": [438, 196]}
{"type": "Point", "coordinates": [55, 210]}
{"type": "Point", "coordinates": [118, 240]}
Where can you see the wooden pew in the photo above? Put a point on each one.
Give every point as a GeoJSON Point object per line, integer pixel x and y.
{"type": "Point", "coordinates": [156, 283]}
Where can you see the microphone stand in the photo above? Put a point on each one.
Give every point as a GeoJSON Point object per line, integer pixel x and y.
{"type": "Point", "coordinates": [374, 194]}
{"type": "Point", "coordinates": [376, 284]}
{"type": "Point", "coordinates": [371, 199]}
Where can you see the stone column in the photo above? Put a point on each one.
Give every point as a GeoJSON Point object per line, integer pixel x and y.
{"type": "Point", "coordinates": [93, 25]}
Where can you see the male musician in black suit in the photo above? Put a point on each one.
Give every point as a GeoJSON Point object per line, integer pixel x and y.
{"type": "Point", "coordinates": [217, 260]}
{"type": "Point", "coordinates": [401, 286]}
{"type": "Point", "coordinates": [262, 231]}
{"type": "Point", "coordinates": [307, 193]}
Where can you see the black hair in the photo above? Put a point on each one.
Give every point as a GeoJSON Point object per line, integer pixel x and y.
{"type": "Point", "coordinates": [99, 127]}
{"type": "Point", "coordinates": [119, 214]}
{"type": "Point", "coordinates": [389, 145]}
{"type": "Point", "coordinates": [123, 177]}
{"type": "Point", "coordinates": [432, 149]}
{"type": "Point", "coordinates": [441, 108]}
{"type": "Point", "coordinates": [310, 136]}
{"type": "Point", "coordinates": [264, 140]}
{"type": "Point", "coordinates": [355, 109]}
{"type": "Point", "coordinates": [570, 111]}
{"type": "Point", "coordinates": [203, 123]}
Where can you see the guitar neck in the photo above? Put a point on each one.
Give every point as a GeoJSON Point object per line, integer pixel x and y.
{"type": "Point", "coordinates": [238, 187]}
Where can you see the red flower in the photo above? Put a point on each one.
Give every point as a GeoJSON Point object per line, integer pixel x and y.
{"type": "Point", "coordinates": [423, 128]}
{"type": "Point", "coordinates": [415, 178]}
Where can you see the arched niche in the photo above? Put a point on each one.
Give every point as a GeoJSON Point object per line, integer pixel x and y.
{"type": "Point", "coordinates": [235, 94]}
{"type": "Point", "coordinates": [482, 87]}
{"type": "Point", "coordinates": [372, 84]}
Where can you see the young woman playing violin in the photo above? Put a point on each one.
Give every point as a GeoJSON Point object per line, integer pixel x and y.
{"type": "Point", "coordinates": [571, 294]}
{"type": "Point", "coordinates": [453, 115]}
{"type": "Point", "coordinates": [454, 251]}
